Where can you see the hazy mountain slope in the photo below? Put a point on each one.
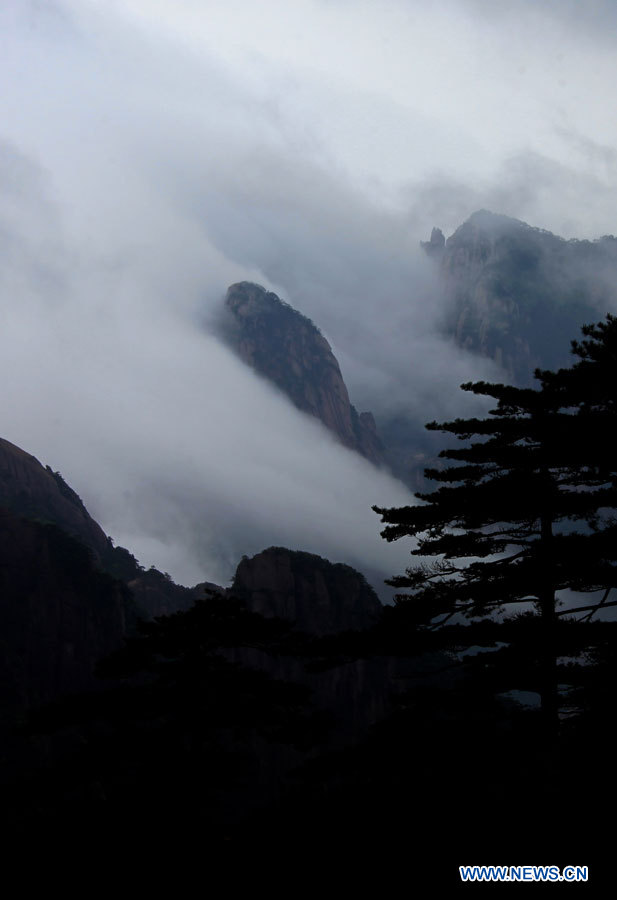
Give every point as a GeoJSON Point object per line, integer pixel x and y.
{"type": "Point", "coordinates": [39, 494]}
{"type": "Point", "coordinates": [34, 492]}
{"type": "Point", "coordinates": [68, 597]}
{"type": "Point", "coordinates": [516, 294]}
{"type": "Point", "coordinates": [511, 292]}
{"type": "Point", "coordinates": [520, 294]}
{"type": "Point", "coordinates": [288, 349]}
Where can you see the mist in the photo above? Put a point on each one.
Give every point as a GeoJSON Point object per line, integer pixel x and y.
{"type": "Point", "coordinates": [153, 154]}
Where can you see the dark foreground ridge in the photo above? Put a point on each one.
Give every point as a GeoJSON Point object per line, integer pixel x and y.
{"type": "Point", "coordinates": [316, 595]}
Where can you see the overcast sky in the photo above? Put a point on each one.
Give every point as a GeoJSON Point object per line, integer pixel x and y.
{"type": "Point", "coordinates": [153, 152]}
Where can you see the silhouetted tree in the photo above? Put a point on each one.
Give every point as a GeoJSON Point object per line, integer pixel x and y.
{"type": "Point", "coordinates": [527, 508]}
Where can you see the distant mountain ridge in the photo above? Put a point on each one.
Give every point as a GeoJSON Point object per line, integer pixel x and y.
{"type": "Point", "coordinates": [511, 292]}
{"type": "Point", "coordinates": [516, 294]}
{"type": "Point", "coordinates": [285, 347]}
{"type": "Point", "coordinates": [520, 294]}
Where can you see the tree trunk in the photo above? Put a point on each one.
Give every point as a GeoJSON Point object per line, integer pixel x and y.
{"type": "Point", "coordinates": [548, 649]}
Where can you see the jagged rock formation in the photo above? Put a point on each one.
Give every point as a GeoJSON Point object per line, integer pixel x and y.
{"type": "Point", "coordinates": [318, 596]}
{"type": "Point", "coordinates": [289, 350]}
{"type": "Point", "coordinates": [520, 294]}
{"type": "Point", "coordinates": [436, 244]}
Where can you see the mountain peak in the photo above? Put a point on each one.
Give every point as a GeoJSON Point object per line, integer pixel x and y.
{"type": "Point", "coordinates": [289, 350]}
{"type": "Point", "coordinates": [317, 595]}
{"type": "Point", "coordinates": [249, 300]}
{"type": "Point", "coordinates": [488, 218]}
{"type": "Point", "coordinates": [486, 224]}
{"type": "Point", "coordinates": [517, 293]}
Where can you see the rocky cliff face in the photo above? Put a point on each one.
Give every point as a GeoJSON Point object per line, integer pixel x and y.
{"type": "Point", "coordinates": [41, 495]}
{"type": "Point", "coordinates": [68, 597]}
{"type": "Point", "coordinates": [287, 349]}
{"type": "Point", "coordinates": [319, 596]}
{"type": "Point", "coordinates": [325, 598]}
{"type": "Point", "coordinates": [59, 614]}
{"type": "Point", "coordinates": [520, 294]}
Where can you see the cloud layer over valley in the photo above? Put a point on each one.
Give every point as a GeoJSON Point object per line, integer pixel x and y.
{"type": "Point", "coordinates": [153, 153]}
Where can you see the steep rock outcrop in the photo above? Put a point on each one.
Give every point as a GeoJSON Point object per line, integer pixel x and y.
{"type": "Point", "coordinates": [68, 597]}
{"type": "Point", "coordinates": [325, 598]}
{"type": "Point", "coordinates": [519, 294]}
{"type": "Point", "coordinates": [286, 348]}
{"type": "Point", "coordinates": [41, 495]}
{"type": "Point", "coordinates": [435, 246]}
{"type": "Point", "coordinates": [318, 596]}
{"type": "Point", "coordinates": [34, 492]}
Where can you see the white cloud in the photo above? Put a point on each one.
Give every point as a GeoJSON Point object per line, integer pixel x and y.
{"type": "Point", "coordinates": [155, 152]}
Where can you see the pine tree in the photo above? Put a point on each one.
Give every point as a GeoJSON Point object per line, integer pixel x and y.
{"type": "Point", "coordinates": [527, 508]}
